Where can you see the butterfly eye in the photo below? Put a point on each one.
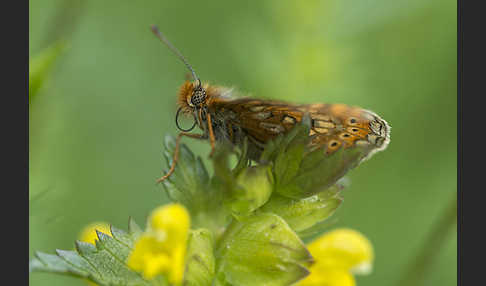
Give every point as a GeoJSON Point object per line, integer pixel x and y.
{"type": "Point", "coordinates": [198, 96]}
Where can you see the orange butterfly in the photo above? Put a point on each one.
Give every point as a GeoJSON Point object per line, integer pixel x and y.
{"type": "Point", "coordinates": [222, 117]}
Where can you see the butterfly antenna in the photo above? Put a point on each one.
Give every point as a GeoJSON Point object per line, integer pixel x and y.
{"type": "Point", "coordinates": [159, 35]}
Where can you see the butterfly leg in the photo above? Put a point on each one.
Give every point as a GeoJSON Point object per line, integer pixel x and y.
{"type": "Point", "coordinates": [176, 153]}
{"type": "Point", "coordinates": [211, 134]}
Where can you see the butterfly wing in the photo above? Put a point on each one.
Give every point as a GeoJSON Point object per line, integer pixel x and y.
{"type": "Point", "coordinates": [333, 126]}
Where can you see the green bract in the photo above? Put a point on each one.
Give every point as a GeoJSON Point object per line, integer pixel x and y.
{"type": "Point", "coordinates": [261, 250]}
{"type": "Point", "coordinates": [301, 214]}
{"type": "Point", "coordinates": [247, 221]}
{"type": "Point", "coordinates": [200, 264]}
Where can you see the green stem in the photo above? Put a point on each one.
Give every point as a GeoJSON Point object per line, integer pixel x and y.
{"type": "Point", "coordinates": [420, 265]}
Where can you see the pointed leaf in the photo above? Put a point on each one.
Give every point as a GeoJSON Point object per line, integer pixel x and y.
{"type": "Point", "coordinates": [113, 246]}
{"type": "Point", "coordinates": [302, 214]}
{"type": "Point", "coordinates": [121, 236]}
{"type": "Point", "coordinates": [54, 262]}
{"type": "Point", "coordinates": [75, 260]}
{"type": "Point", "coordinates": [103, 263]}
{"type": "Point", "coordinates": [327, 172]}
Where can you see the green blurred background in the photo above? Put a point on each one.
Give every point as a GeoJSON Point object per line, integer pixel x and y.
{"type": "Point", "coordinates": [97, 124]}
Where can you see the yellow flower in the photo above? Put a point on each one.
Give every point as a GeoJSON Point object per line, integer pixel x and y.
{"type": "Point", "coordinates": [162, 247]}
{"type": "Point", "coordinates": [339, 254]}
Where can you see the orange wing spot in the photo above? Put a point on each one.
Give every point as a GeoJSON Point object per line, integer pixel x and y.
{"type": "Point", "coordinates": [357, 122]}
{"type": "Point", "coordinates": [348, 139]}
{"type": "Point", "coordinates": [332, 146]}
{"type": "Point", "coordinates": [359, 132]}
{"type": "Point", "coordinates": [345, 136]}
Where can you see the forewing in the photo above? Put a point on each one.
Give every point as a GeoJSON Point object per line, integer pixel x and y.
{"type": "Point", "coordinates": [333, 126]}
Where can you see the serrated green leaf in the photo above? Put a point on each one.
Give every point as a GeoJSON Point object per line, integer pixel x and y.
{"type": "Point", "coordinates": [85, 248]}
{"type": "Point", "coordinates": [103, 263]}
{"type": "Point", "coordinates": [67, 264]}
{"type": "Point", "coordinates": [36, 265]}
{"type": "Point", "coordinates": [114, 247]}
{"type": "Point", "coordinates": [121, 236]}
{"type": "Point", "coordinates": [261, 250]}
{"type": "Point", "coordinates": [190, 180]}
{"type": "Point", "coordinates": [191, 185]}
{"type": "Point", "coordinates": [200, 262]}
{"type": "Point", "coordinates": [76, 261]}
{"type": "Point", "coordinates": [55, 263]}
{"type": "Point", "coordinates": [110, 268]}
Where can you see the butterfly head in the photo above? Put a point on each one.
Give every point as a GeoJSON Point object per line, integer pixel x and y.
{"type": "Point", "coordinates": [198, 96]}
{"type": "Point", "coordinates": [192, 96]}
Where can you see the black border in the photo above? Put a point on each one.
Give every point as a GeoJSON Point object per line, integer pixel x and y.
{"type": "Point", "coordinates": [14, 134]}
{"type": "Point", "coordinates": [471, 154]}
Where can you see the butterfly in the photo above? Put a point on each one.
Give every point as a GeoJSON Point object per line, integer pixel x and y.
{"type": "Point", "coordinates": [225, 117]}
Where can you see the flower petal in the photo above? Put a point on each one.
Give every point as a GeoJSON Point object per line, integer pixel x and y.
{"type": "Point", "coordinates": [172, 219]}
{"type": "Point", "coordinates": [344, 249]}
{"type": "Point", "coordinates": [161, 249]}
